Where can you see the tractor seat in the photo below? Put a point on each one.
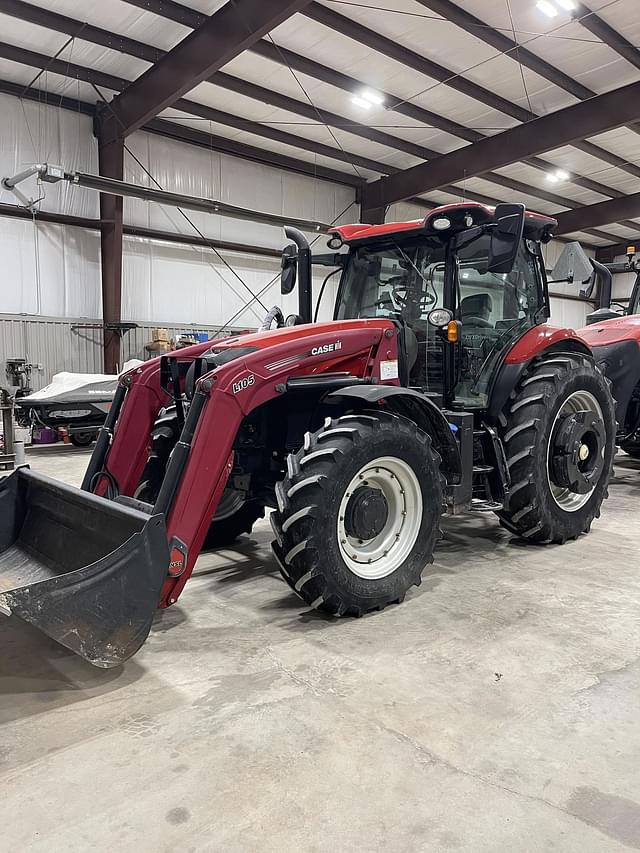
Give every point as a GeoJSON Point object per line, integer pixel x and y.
{"type": "Point", "coordinates": [475, 311]}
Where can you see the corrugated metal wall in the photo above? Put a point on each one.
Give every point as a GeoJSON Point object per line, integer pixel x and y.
{"type": "Point", "coordinates": [57, 345]}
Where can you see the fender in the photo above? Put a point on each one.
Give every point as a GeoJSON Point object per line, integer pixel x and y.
{"type": "Point", "coordinates": [416, 407]}
{"type": "Point", "coordinates": [534, 342]}
{"type": "Point", "coordinates": [539, 339]}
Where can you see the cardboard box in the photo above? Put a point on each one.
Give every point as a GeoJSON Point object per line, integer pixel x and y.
{"type": "Point", "coordinates": [161, 335]}
{"type": "Point", "coordinates": [158, 347]}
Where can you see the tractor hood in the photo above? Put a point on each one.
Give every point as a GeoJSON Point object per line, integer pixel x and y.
{"type": "Point", "coordinates": [311, 348]}
{"type": "Point", "coordinates": [612, 331]}
{"type": "Point", "coordinates": [274, 337]}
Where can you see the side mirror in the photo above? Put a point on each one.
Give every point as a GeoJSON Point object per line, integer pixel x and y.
{"type": "Point", "coordinates": [505, 237]}
{"type": "Point", "coordinates": [289, 265]}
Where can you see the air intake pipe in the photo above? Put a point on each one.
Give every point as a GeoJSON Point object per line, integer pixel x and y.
{"type": "Point", "coordinates": [304, 273]}
{"type": "Point", "coordinates": [601, 282]}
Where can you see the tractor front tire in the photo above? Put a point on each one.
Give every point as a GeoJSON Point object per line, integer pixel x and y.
{"type": "Point", "coordinates": [358, 514]}
{"type": "Point", "coordinates": [233, 517]}
{"type": "Point", "coordinates": [558, 430]}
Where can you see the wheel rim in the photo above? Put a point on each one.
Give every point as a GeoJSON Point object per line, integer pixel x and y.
{"type": "Point", "coordinates": [230, 503]}
{"type": "Point", "coordinates": [395, 536]}
{"type": "Point", "coordinates": [576, 403]}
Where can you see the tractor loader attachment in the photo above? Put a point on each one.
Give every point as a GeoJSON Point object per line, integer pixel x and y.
{"type": "Point", "coordinates": [85, 570]}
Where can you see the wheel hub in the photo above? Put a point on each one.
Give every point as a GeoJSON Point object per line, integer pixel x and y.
{"type": "Point", "coordinates": [576, 457]}
{"type": "Point", "coordinates": [366, 514]}
{"type": "Point", "coordinates": [379, 517]}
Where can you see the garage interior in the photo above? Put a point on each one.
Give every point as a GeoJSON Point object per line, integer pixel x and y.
{"type": "Point", "coordinates": [151, 154]}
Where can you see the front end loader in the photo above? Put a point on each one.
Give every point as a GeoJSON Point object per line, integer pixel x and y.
{"type": "Point", "coordinates": [437, 387]}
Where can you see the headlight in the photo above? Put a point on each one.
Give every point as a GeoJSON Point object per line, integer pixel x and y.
{"type": "Point", "coordinates": [439, 317]}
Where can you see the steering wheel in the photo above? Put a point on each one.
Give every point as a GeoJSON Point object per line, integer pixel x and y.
{"type": "Point", "coordinates": [275, 314]}
{"type": "Point", "coordinates": [401, 294]}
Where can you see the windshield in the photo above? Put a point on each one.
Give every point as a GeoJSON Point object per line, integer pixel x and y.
{"type": "Point", "coordinates": [406, 281]}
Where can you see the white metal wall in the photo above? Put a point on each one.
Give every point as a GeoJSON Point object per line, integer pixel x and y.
{"type": "Point", "coordinates": [53, 270]}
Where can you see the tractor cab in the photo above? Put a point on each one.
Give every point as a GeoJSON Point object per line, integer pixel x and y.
{"type": "Point", "coordinates": [464, 284]}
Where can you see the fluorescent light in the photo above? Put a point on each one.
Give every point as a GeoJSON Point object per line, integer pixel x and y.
{"type": "Point", "coordinates": [567, 5]}
{"type": "Point", "coordinates": [547, 8]}
{"type": "Point", "coordinates": [372, 97]}
{"type": "Point", "coordinates": [561, 175]}
{"type": "Point", "coordinates": [553, 179]}
{"type": "Point", "coordinates": [360, 102]}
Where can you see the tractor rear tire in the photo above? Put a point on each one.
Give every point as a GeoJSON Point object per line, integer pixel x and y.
{"type": "Point", "coordinates": [358, 514]}
{"type": "Point", "coordinates": [230, 521]}
{"type": "Point", "coordinates": [555, 493]}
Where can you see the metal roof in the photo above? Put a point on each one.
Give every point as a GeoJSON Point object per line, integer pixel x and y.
{"type": "Point", "coordinates": [446, 82]}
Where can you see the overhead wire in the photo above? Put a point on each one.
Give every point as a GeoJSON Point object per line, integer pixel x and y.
{"type": "Point", "coordinates": [286, 62]}
{"type": "Point", "coordinates": [478, 26]}
{"type": "Point", "coordinates": [275, 278]}
{"type": "Point", "coordinates": [518, 59]}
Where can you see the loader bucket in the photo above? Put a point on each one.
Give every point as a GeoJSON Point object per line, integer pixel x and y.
{"type": "Point", "coordinates": [85, 570]}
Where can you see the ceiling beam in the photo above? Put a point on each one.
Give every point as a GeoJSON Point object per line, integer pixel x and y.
{"type": "Point", "coordinates": [342, 81]}
{"type": "Point", "coordinates": [226, 34]}
{"type": "Point", "coordinates": [211, 142]}
{"type": "Point", "coordinates": [594, 23]}
{"type": "Point", "coordinates": [446, 76]}
{"type": "Point", "coordinates": [482, 31]}
{"type": "Point", "coordinates": [602, 213]}
{"type": "Point", "coordinates": [319, 116]}
{"type": "Point", "coordinates": [391, 48]}
{"type": "Point", "coordinates": [62, 24]}
{"type": "Point", "coordinates": [554, 130]}
{"type": "Point", "coordinates": [509, 47]}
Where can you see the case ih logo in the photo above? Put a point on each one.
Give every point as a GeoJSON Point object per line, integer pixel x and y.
{"type": "Point", "coordinates": [325, 348]}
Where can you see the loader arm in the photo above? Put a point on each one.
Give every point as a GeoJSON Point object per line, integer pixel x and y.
{"type": "Point", "coordinates": [203, 458]}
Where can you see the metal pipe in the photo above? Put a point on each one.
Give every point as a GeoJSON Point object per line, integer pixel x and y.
{"type": "Point", "coordinates": [112, 186]}
{"type": "Point", "coordinates": [204, 205]}
{"type": "Point", "coordinates": [29, 172]}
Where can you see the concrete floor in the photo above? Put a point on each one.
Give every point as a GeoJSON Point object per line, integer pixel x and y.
{"type": "Point", "coordinates": [496, 710]}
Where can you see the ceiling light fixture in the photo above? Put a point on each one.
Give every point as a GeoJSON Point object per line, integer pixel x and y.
{"type": "Point", "coordinates": [547, 8]}
{"type": "Point", "coordinates": [360, 102]}
{"type": "Point", "coordinates": [372, 97]}
{"type": "Point", "coordinates": [567, 5]}
{"type": "Point", "coordinates": [558, 175]}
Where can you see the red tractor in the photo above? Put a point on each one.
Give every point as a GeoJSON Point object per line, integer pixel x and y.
{"type": "Point", "coordinates": [613, 335]}
{"type": "Point", "coordinates": [438, 387]}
